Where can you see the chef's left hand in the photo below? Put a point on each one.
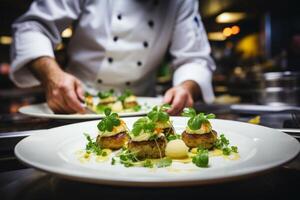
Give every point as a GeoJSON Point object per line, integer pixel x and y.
{"type": "Point", "coordinates": [181, 96]}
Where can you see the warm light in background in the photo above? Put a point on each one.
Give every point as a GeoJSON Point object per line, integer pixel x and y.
{"type": "Point", "coordinates": [235, 30]}
{"type": "Point", "coordinates": [216, 36]}
{"type": "Point", "coordinates": [67, 33]}
{"type": "Point", "coordinates": [227, 32]}
{"type": "Point", "coordinates": [6, 40]}
{"type": "Point", "coordinates": [230, 17]}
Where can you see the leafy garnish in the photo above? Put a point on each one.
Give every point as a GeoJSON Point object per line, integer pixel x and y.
{"type": "Point", "coordinates": [87, 94]}
{"type": "Point", "coordinates": [93, 147]}
{"type": "Point", "coordinates": [106, 94]}
{"type": "Point", "coordinates": [148, 164]}
{"type": "Point", "coordinates": [143, 124]}
{"type": "Point", "coordinates": [196, 120]}
{"type": "Point", "coordinates": [137, 108]}
{"type": "Point", "coordinates": [127, 158]}
{"type": "Point", "coordinates": [222, 143]}
{"type": "Point", "coordinates": [164, 162]}
{"type": "Point", "coordinates": [173, 137]}
{"type": "Point", "coordinates": [100, 108]}
{"type": "Point", "coordinates": [159, 114]}
{"type": "Point", "coordinates": [109, 121]}
{"type": "Point", "coordinates": [127, 93]}
{"type": "Point", "coordinates": [201, 159]}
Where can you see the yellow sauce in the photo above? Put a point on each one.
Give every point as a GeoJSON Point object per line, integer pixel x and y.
{"type": "Point", "coordinates": [215, 152]}
{"type": "Point", "coordinates": [104, 158]}
{"type": "Point", "coordinates": [233, 156]}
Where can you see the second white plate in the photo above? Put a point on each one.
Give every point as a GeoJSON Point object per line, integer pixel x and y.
{"type": "Point", "coordinates": [43, 110]}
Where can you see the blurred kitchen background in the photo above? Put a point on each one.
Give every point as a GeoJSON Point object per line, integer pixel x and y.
{"type": "Point", "coordinates": [255, 43]}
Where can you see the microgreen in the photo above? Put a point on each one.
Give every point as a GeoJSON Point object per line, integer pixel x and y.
{"type": "Point", "coordinates": [109, 121]}
{"type": "Point", "coordinates": [137, 108]}
{"type": "Point", "coordinates": [164, 162]}
{"type": "Point", "coordinates": [148, 164]}
{"type": "Point", "coordinates": [127, 158]}
{"type": "Point", "coordinates": [159, 114]}
{"type": "Point", "coordinates": [143, 124]}
{"type": "Point", "coordinates": [92, 147]}
{"type": "Point", "coordinates": [196, 120]}
{"type": "Point", "coordinates": [201, 159]}
{"type": "Point", "coordinates": [127, 93]}
{"type": "Point", "coordinates": [173, 137]}
{"type": "Point", "coordinates": [106, 94]}
{"type": "Point", "coordinates": [222, 143]}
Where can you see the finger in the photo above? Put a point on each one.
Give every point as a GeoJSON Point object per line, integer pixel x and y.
{"type": "Point", "coordinates": [79, 90]}
{"type": "Point", "coordinates": [56, 106]}
{"type": "Point", "coordinates": [72, 101]}
{"type": "Point", "coordinates": [169, 96]}
{"type": "Point", "coordinates": [189, 102]}
{"type": "Point", "coordinates": [178, 104]}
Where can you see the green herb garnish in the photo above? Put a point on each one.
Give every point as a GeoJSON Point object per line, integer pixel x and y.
{"type": "Point", "coordinates": [127, 93]}
{"type": "Point", "coordinates": [109, 121]}
{"type": "Point", "coordinates": [100, 108]}
{"type": "Point", "coordinates": [159, 114]}
{"type": "Point", "coordinates": [173, 137]}
{"type": "Point", "coordinates": [201, 159]}
{"type": "Point", "coordinates": [137, 108]}
{"type": "Point", "coordinates": [164, 162]}
{"type": "Point", "coordinates": [196, 120]}
{"type": "Point", "coordinates": [106, 94]}
{"type": "Point", "coordinates": [143, 124]}
{"type": "Point", "coordinates": [222, 143]}
{"type": "Point", "coordinates": [148, 164]}
{"type": "Point", "coordinates": [127, 158]}
{"type": "Point", "coordinates": [92, 147]}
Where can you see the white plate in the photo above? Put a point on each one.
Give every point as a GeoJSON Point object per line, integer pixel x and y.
{"type": "Point", "coordinates": [260, 149]}
{"type": "Point", "coordinates": [42, 110]}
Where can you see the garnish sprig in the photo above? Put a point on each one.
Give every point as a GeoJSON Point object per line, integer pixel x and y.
{"type": "Point", "coordinates": [92, 146]}
{"type": "Point", "coordinates": [222, 143]}
{"type": "Point", "coordinates": [127, 93]}
{"type": "Point", "coordinates": [106, 94]}
{"type": "Point", "coordinates": [109, 121]}
{"type": "Point", "coordinates": [196, 120]}
{"type": "Point", "coordinates": [201, 159]}
{"type": "Point", "coordinates": [159, 113]}
{"type": "Point", "coordinates": [143, 125]}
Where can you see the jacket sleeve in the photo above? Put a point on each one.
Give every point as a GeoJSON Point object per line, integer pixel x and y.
{"type": "Point", "coordinates": [190, 50]}
{"type": "Point", "coordinates": [37, 33]}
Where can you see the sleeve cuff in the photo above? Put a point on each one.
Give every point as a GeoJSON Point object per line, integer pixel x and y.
{"type": "Point", "coordinates": [28, 46]}
{"type": "Point", "coordinates": [198, 73]}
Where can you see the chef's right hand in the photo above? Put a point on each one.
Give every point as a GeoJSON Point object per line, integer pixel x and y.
{"type": "Point", "coordinates": [64, 92]}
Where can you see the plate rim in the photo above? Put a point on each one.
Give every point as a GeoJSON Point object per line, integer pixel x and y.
{"type": "Point", "coordinates": [167, 183]}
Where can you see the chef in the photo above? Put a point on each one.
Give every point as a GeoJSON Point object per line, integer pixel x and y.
{"type": "Point", "coordinates": [116, 44]}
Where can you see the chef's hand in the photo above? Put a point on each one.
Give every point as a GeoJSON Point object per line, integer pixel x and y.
{"type": "Point", "coordinates": [63, 91]}
{"type": "Point", "coordinates": [181, 96]}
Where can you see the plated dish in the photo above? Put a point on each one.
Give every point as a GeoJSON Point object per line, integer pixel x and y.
{"type": "Point", "coordinates": [72, 151]}
{"type": "Point", "coordinates": [42, 110]}
{"type": "Point", "coordinates": [123, 103]}
{"type": "Point", "coordinates": [153, 142]}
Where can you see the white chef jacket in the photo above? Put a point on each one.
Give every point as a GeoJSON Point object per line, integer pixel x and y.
{"type": "Point", "coordinates": [116, 43]}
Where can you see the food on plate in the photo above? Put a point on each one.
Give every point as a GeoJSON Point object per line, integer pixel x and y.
{"type": "Point", "coordinates": [113, 132]}
{"type": "Point", "coordinates": [161, 118]}
{"type": "Point", "coordinates": [198, 131]}
{"type": "Point", "coordinates": [149, 145]}
{"type": "Point", "coordinates": [176, 149]}
{"type": "Point", "coordinates": [126, 102]}
{"type": "Point", "coordinates": [145, 141]}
